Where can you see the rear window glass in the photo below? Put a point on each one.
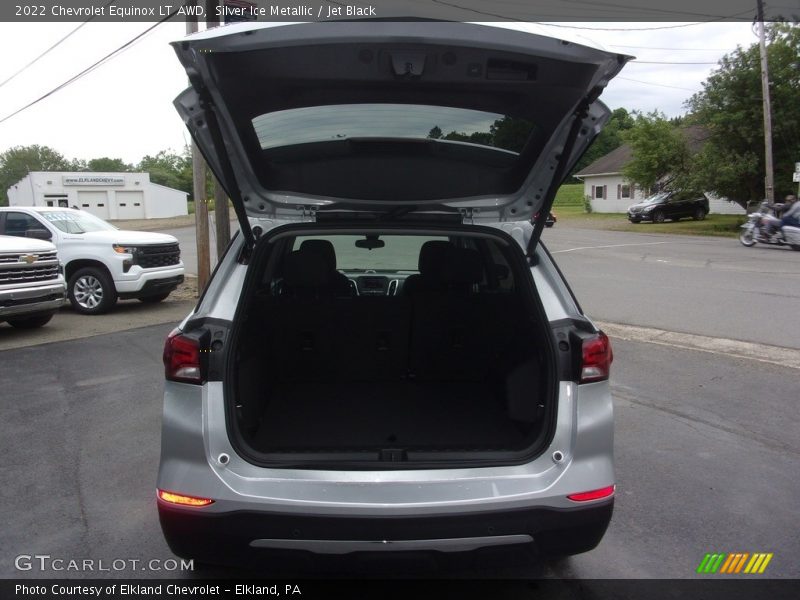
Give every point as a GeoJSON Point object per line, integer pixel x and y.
{"type": "Point", "coordinates": [399, 252]}
{"type": "Point", "coordinates": [404, 121]}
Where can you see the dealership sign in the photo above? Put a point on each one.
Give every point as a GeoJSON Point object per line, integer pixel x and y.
{"type": "Point", "coordinates": [92, 180]}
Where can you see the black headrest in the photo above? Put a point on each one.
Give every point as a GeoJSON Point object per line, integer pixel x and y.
{"type": "Point", "coordinates": [462, 266]}
{"type": "Point", "coordinates": [306, 269]}
{"type": "Point", "coordinates": [431, 257]}
{"type": "Point", "coordinates": [323, 247]}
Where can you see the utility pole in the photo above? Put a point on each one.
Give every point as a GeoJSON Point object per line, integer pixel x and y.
{"type": "Point", "coordinates": [199, 192]}
{"type": "Point", "coordinates": [769, 179]}
{"type": "Point", "coordinates": [221, 214]}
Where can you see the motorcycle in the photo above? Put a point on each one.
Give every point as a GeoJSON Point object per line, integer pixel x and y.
{"type": "Point", "coordinates": [755, 231]}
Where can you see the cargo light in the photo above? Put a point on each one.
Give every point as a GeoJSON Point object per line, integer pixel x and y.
{"type": "Point", "coordinates": [183, 500]}
{"type": "Point", "coordinates": [593, 494]}
{"type": "Point", "coordinates": [597, 358]}
{"type": "Point", "coordinates": [182, 358]}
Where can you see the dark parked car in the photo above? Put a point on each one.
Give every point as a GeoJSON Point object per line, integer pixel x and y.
{"type": "Point", "coordinates": [669, 205]}
{"type": "Point", "coordinates": [549, 222]}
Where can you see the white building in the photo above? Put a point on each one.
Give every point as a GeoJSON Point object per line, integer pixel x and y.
{"type": "Point", "coordinates": [107, 195]}
{"type": "Point", "coordinates": [604, 183]}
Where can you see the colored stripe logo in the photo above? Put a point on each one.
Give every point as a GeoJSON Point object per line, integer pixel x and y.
{"type": "Point", "coordinates": [735, 562]}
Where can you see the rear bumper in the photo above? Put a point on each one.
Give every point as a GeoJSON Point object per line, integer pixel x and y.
{"type": "Point", "coordinates": [32, 300]}
{"type": "Point", "coordinates": [237, 536]}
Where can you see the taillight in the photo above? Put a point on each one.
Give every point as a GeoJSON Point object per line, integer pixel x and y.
{"type": "Point", "coordinates": [596, 359]}
{"type": "Point", "coordinates": [183, 499]}
{"type": "Point", "coordinates": [592, 495]}
{"type": "Point", "coordinates": [182, 358]}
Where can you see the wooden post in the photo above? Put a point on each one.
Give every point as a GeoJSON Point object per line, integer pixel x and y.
{"type": "Point", "coordinates": [199, 193]}
{"type": "Point", "coordinates": [221, 213]}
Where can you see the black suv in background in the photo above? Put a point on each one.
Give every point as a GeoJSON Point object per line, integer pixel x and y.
{"type": "Point", "coordinates": [669, 205]}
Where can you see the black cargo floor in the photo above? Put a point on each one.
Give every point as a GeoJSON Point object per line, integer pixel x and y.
{"type": "Point", "coordinates": [336, 416]}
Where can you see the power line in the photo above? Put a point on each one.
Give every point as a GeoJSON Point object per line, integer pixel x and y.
{"type": "Point", "coordinates": [680, 49]}
{"type": "Point", "coordinates": [664, 62]}
{"type": "Point", "coordinates": [674, 87]}
{"type": "Point", "coordinates": [721, 19]}
{"type": "Point", "coordinates": [90, 68]}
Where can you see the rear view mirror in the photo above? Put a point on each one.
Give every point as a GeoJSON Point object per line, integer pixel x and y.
{"type": "Point", "coordinates": [39, 234]}
{"type": "Point", "coordinates": [370, 242]}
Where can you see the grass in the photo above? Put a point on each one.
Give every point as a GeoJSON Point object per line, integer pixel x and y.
{"type": "Point", "coordinates": [568, 207]}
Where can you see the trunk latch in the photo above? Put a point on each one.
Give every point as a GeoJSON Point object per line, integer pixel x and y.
{"type": "Point", "coordinates": [392, 455]}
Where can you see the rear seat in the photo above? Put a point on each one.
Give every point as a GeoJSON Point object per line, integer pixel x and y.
{"type": "Point", "coordinates": [458, 334]}
{"type": "Point", "coordinates": [443, 331]}
{"type": "Point", "coordinates": [301, 321]}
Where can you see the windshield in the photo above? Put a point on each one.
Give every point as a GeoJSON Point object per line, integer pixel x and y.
{"type": "Point", "coordinates": [76, 221]}
{"type": "Point", "coordinates": [399, 253]}
{"type": "Point", "coordinates": [656, 199]}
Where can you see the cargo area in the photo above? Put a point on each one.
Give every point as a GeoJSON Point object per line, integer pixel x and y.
{"type": "Point", "coordinates": [449, 362]}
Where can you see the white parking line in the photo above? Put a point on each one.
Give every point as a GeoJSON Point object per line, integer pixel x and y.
{"type": "Point", "coordinates": [609, 246]}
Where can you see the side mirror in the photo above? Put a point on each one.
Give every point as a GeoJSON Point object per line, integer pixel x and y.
{"type": "Point", "coordinates": [39, 234]}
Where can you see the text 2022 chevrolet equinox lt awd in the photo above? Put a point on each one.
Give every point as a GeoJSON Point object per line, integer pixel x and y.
{"type": "Point", "coordinates": [387, 358]}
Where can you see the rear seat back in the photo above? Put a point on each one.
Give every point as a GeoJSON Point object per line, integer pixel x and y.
{"type": "Point", "coordinates": [458, 333]}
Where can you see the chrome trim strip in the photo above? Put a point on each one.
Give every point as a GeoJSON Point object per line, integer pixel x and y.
{"type": "Point", "coordinates": [348, 546]}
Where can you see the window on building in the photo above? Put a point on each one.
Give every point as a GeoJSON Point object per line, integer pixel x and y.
{"type": "Point", "coordinates": [624, 191]}
{"type": "Point", "coordinates": [599, 191]}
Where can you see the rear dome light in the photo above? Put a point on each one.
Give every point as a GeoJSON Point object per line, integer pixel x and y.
{"type": "Point", "coordinates": [183, 499]}
{"type": "Point", "coordinates": [182, 358]}
{"type": "Point", "coordinates": [597, 359]}
{"type": "Point", "coordinates": [593, 495]}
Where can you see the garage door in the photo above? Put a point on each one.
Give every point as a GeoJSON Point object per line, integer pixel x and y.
{"type": "Point", "coordinates": [130, 205]}
{"type": "Point", "coordinates": [94, 202]}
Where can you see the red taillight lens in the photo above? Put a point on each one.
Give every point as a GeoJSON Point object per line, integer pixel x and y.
{"type": "Point", "coordinates": [182, 358]}
{"type": "Point", "coordinates": [592, 495]}
{"type": "Point", "coordinates": [597, 359]}
{"type": "Point", "coordinates": [183, 500]}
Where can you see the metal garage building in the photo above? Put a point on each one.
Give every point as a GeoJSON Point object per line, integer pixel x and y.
{"type": "Point", "coordinates": [106, 195]}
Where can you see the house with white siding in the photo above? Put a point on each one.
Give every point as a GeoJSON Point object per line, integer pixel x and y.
{"type": "Point", "coordinates": [610, 192]}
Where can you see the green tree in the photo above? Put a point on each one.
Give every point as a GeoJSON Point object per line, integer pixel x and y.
{"type": "Point", "coordinates": [109, 165]}
{"type": "Point", "coordinates": [169, 169]}
{"type": "Point", "coordinates": [17, 162]}
{"type": "Point", "coordinates": [660, 155]}
{"type": "Point", "coordinates": [731, 163]}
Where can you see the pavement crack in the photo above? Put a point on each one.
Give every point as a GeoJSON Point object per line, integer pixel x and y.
{"type": "Point", "coordinates": [692, 420]}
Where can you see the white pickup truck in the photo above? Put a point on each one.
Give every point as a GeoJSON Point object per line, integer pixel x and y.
{"type": "Point", "coordinates": [101, 263]}
{"type": "Point", "coordinates": [31, 283]}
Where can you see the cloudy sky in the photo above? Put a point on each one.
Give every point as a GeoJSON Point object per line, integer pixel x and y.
{"type": "Point", "coordinates": [124, 107]}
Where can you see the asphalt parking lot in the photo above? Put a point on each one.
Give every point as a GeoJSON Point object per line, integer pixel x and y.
{"type": "Point", "coordinates": [706, 441]}
{"type": "Point", "coordinates": [707, 460]}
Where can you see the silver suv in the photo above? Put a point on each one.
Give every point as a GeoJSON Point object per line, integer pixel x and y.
{"type": "Point", "coordinates": [387, 358]}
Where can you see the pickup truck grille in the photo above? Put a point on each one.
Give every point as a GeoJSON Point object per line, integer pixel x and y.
{"type": "Point", "coordinates": [161, 255]}
{"type": "Point", "coordinates": [14, 258]}
{"type": "Point", "coordinates": [28, 273]}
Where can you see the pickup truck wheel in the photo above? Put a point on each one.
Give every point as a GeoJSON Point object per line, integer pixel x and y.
{"type": "Point", "coordinates": [30, 322]}
{"type": "Point", "coordinates": [91, 291]}
{"type": "Point", "coordinates": [699, 214]}
{"type": "Point", "coordinates": [154, 299]}
{"type": "Point", "coordinates": [658, 217]}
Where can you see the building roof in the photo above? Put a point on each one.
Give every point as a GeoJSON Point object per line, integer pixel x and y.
{"type": "Point", "coordinates": [609, 163]}
{"type": "Point", "coordinates": [612, 163]}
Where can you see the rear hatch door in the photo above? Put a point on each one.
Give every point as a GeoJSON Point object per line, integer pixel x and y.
{"type": "Point", "coordinates": [439, 119]}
